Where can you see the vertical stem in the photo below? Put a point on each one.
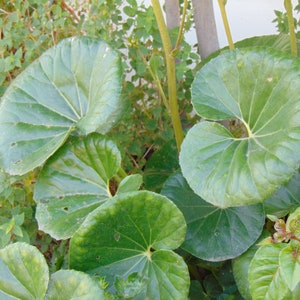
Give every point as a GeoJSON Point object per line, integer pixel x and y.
{"type": "Point", "coordinates": [180, 34]}
{"type": "Point", "coordinates": [171, 72]}
{"type": "Point", "coordinates": [157, 81]}
{"type": "Point", "coordinates": [293, 40]}
{"type": "Point", "coordinates": [222, 4]}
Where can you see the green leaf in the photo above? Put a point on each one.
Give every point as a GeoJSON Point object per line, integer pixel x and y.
{"type": "Point", "coordinates": [196, 291]}
{"type": "Point", "coordinates": [277, 41]}
{"type": "Point", "coordinates": [160, 166]}
{"type": "Point", "coordinates": [265, 276]}
{"type": "Point", "coordinates": [168, 276]}
{"type": "Point", "coordinates": [74, 182]}
{"type": "Point", "coordinates": [293, 223]}
{"type": "Point", "coordinates": [260, 89]}
{"type": "Point", "coordinates": [289, 261]}
{"type": "Point", "coordinates": [65, 89]}
{"type": "Point", "coordinates": [134, 233]}
{"type": "Point", "coordinates": [286, 199]}
{"type": "Point", "coordinates": [129, 287]}
{"type": "Point", "coordinates": [23, 272]}
{"type": "Point", "coordinates": [155, 63]}
{"type": "Point", "coordinates": [280, 42]}
{"type": "Point", "coordinates": [70, 284]}
{"type": "Point", "coordinates": [214, 234]}
{"type": "Point", "coordinates": [240, 267]}
{"type": "Point", "coordinates": [130, 183]}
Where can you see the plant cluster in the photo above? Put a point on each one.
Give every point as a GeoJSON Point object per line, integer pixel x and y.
{"type": "Point", "coordinates": [124, 190]}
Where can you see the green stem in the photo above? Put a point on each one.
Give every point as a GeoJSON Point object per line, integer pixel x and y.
{"type": "Point", "coordinates": [122, 173]}
{"type": "Point", "coordinates": [222, 4]}
{"type": "Point", "coordinates": [180, 34]}
{"type": "Point", "coordinates": [171, 72]}
{"type": "Point", "coordinates": [293, 39]}
{"type": "Point", "coordinates": [156, 79]}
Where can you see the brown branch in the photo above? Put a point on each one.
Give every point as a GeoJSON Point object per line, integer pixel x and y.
{"type": "Point", "coordinates": [69, 9]}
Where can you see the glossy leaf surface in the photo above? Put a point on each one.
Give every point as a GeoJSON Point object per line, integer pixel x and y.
{"type": "Point", "coordinates": [240, 267]}
{"type": "Point", "coordinates": [70, 284]}
{"type": "Point", "coordinates": [74, 182]}
{"type": "Point", "coordinates": [280, 42]}
{"type": "Point", "coordinates": [275, 41]}
{"type": "Point", "coordinates": [289, 260]}
{"type": "Point", "coordinates": [134, 232]}
{"type": "Point", "coordinates": [265, 277]}
{"type": "Point", "coordinates": [260, 89]}
{"type": "Point", "coordinates": [214, 234]}
{"type": "Point", "coordinates": [130, 183]}
{"type": "Point", "coordinates": [72, 86]}
{"type": "Point", "coordinates": [286, 199]}
{"type": "Point", "coordinates": [293, 223]}
{"type": "Point", "coordinates": [23, 272]}
{"type": "Point", "coordinates": [162, 164]}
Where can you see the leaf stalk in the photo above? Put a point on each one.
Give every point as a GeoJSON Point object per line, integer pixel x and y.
{"type": "Point", "coordinates": [293, 40]}
{"type": "Point", "coordinates": [171, 72]}
{"type": "Point", "coordinates": [222, 4]}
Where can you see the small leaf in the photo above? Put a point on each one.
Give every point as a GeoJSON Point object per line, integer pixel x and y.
{"type": "Point", "coordinates": [130, 287]}
{"type": "Point", "coordinates": [289, 261]}
{"type": "Point", "coordinates": [65, 89]}
{"type": "Point", "coordinates": [272, 218]}
{"type": "Point", "coordinates": [240, 267]}
{"type": "Point", "coordinates": [130, 183]}
{"type": "Point", "coordinates": [18, 231]}
{"type": "Point", "coordinates": [155, 63]}
{"type": "Point", "coordinates": [23, 272]}
{"type": "Point", "coordinates": [214, 234]}
{"type": "Point", "coordinates": [266, 241]}
{"type": "Point", "coordinates": [70, 284]}
{"type": "Point", "coordinates": [134, 232]}
{"type": "Point", "coordinates": [265, 276]}
{"type": "Point", "coordinates": [74, 182]}
{"type": "Point", "coordinates": [260, 88]}
{"type": "Point", "coordinates": [293, 223]}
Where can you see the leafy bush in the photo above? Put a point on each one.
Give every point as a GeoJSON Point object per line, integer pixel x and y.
{"type": "Point", "coordinates": [99, 175]}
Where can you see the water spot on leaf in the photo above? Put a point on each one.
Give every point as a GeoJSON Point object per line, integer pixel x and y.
{"type": "Point", "coordinates": [117, 236]}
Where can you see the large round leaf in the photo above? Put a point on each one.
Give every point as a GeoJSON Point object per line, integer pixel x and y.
{"type": "Point", "coordinates": [279, 42]}
{"type": "Point", "coordinates": [261, 89]}
{"type": "Point", "coordinates": [74, 182]}
{"type": "Point", "coordinates": [134, 232]}
{"type": "Point", "coordinates": [23, 272]}
{"type": "Point", "coordinates": [70, 284]}
{"type": "Point", "coordinates": [214, 234]}
{"type": "Point", "coordinates": [74, 85]}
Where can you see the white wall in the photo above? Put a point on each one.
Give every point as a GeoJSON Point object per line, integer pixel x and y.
{"type": "Point", "coordinates": [246, 18]}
